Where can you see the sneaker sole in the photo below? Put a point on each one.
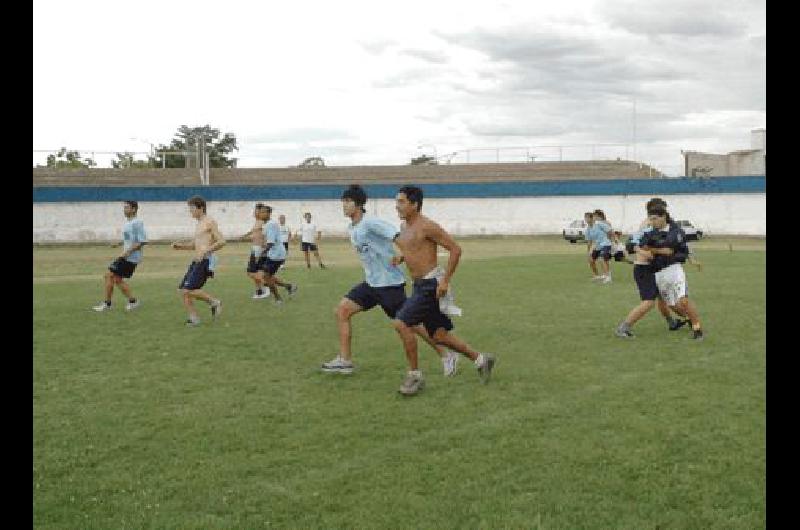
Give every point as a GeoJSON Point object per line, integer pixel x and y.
{"type": "Point", "coordinates": [415, 392]}
{"type": "Point", "coordinates": [337, 370]}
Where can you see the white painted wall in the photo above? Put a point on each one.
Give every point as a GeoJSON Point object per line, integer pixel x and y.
{"type": "Point", "coordinates": [717, 214]}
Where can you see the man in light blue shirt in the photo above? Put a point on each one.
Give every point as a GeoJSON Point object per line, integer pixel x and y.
{"type": "Point", "coordinates": [134, 238]}
{"type": "Point", "coordinates": [598, 243]}
{"type": "Point", "coordinates": [384, 285]}
{"type": "Point", "coordinates": [275, 254]}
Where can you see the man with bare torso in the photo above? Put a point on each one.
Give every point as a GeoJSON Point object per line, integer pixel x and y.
{"type": "Point", "coordinates": [417, 241]}
{"type": "Point", "coordinates": [207, 240]}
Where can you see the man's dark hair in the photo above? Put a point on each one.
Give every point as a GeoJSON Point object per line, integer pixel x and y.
{"type": "Point", "coordinates": [413, 194]}
{"type": "Point", "coordinates": [656, 201]}
{"type": "Point", "coordinates": [356, 193]}
{"type": "Point", "coordinates": [600, 214]}
{"type": "Point", "coordinates": [133, 204]}
{"type": "Point", "coordinates": [587, 214]}
{"type": "Point", "coordinates": [198, 202]}
{"type": "Point", "coordinates": [657, 209]}
{"type": "Point", "coordinates": [267, 208]}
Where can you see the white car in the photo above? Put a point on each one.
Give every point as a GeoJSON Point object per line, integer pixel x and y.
{"type": "Point", "coordinates": [575, 231]}
{"type": "Point", "coordinates": [692, 232]}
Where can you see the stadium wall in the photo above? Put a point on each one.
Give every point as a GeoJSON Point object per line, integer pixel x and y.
{"type": "Point", "coordinates": [722, 206]}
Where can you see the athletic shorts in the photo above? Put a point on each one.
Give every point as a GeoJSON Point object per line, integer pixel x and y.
{"type": "Point", "coordinates": [272, 266]}
{"type": "Point", "coordinates": [645, 280]}
{"type": "Point", "coordinates": [390, 298]}
{"type": "Point", "coordinates": [196, 275]}
{"type": "Point", "coordinates": [255, 264]}
{"type": "Point", "coordinates": [309, 246]}
{"type": "Point", "coordinates": [671, 282]}
{"type": "Point", "coordinates": [122, 267]}
{"type": "Point", "coordinates": [619, 256]}
{"type": "Point", "coordinates": [423, 306]}
{"type": "Point", "coordinates": [604, 251]}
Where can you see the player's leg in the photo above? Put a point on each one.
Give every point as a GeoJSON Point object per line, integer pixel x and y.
{"type": "Point", "coordinates": [645, 281]}
{"type": "Point", "coordinates": [484, 363]}
{"type": "Point", "coordinates": [319, 259]}
{"type": "Point", "coordinates": [689, 307]}
{"type": "Point", "coordinates": [308, 258]}
{"type": "Point", "coordinates": [449, 358]}
{"type": "Point", "coordinates": [593, 265]}
{"type": "Point", "coordinates": [344, 311]}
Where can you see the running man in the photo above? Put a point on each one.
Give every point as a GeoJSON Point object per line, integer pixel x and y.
{"type": "Point", "coordinates": [134, 238]}
{"type": "Point", "coordinates": [275, 254]}
{"type": "Point", "coordinates": [418, 239]}
{"type": "Point", "coordinates": [256, 261]}
{"type": "Point", "coordinates": [598, 244]}
{"type": "Point", "coordinates": [618, 249]}
{"type": "Point", "coordinates": [207, 240]}
{"type": "Point", "coordinates": [309, 235]}
{"type": "Point", "coordinates": [384, 284]}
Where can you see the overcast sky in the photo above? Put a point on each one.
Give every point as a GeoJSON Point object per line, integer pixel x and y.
{"type": "Point", "coordinates": [366, 82]}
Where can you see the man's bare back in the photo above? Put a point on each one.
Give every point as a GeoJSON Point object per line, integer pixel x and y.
{"type": "Point", "coordinates": [419, 251]}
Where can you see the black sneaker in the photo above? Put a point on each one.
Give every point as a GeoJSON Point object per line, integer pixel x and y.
{"type": "Point", "coordinates": [624, 333]}
{"type": "Point", "coordinates": [191, 323]}
{"type": "Point", "coordinates": [677, 324]}
{"type": "Point", "coordinates": [216, 309]}
{"type": "Point", "coordinates": [697, 334]}
{"type": "Point", "coordinates": [292, 288]}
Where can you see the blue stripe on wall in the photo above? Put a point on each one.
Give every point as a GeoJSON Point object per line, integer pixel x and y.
{"type": "Point", "coordinates": [670, 186]}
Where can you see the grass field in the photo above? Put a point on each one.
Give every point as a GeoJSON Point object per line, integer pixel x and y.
{"type": "Point", "coordinates": [141, 423]}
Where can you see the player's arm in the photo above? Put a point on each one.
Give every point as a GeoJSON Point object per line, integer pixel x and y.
{"type": "Point", "coordinates": [183, 245]}
{"type": "Point", "coordinates": [136, 246]}
{"type": "Point", "coordinates": [246, 236]}
{"type": "Point", "coordinates": [438, 235]}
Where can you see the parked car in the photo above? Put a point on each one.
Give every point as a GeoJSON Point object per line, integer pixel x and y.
{"type": "Point", "coordinates": [692, 232]}
{"type": "Point", "coordinates": [575, 231]}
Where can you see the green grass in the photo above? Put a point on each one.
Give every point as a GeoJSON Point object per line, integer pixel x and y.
{"type": "Point", "coordinates": [140, 423]}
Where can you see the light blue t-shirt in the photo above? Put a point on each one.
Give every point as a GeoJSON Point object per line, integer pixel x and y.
{"type": "Point", "coordinates": [132, 233]}
{"type": "Point", "coordinates": [372, 238]}
{"type": "Point", "coordinates": [597, 233]}
{"type": "Point", "coordinates": [272, 234]}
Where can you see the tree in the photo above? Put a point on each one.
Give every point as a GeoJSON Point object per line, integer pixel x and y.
{"type": "Point", "coordinates": [312, 161]}
{"type": "Point", "coordinates": [424, 160]}
{"type": "Point", "coordinates": [126, 161]}
{"type": "Point", "coordinates": [194, 139]}
{"type": "Point", "coordinates": [68, 159]}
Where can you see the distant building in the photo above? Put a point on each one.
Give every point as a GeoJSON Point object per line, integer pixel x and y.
{"type": "Point", "coordinates": [751, 161]}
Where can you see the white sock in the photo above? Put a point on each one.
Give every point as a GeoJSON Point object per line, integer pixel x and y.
{"type": "Point", "coordinates": [415, 373]}
{"type": "Point", "coordinates": [479, 361]}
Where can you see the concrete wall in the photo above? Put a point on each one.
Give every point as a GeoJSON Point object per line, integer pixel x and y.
{"type": "Point", "coordinates": [747, 162]}
{"type": "Point", "coordinates": [717, 214]}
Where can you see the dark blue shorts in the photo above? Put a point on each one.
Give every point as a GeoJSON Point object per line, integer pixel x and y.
{"type": "Point", "coordinates": [423, 307]}
{"type": "Point", "coordinates": [390, 298]}
{"type": "Point", "coordinates": [619, 256]}
{"type": "Point", "coordinates": [271, 266]}
{"type": "Point", "coordinates": [122, 267]}
{"type": "Point", "coordinates": [196, 275]}
{"type": "Point", "coordinates": [309, 246]}
{"type": "Point", "coordinates": [604, 251]}
{"type": "Point", "coordinates": [645, 279]}
{"type": "Point", "coordinates": [255, 264]}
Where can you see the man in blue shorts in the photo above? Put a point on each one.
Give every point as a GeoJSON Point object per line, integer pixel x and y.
{"type": "Point", "coordinates": [207, 240]}
{"type": "Point", "coordinates": [598, 243]}
{"type": "Point", "coordinates": [418, 240]}
{"type": "Point", "coordinates": [384, 284]}
{"type": "Point", "coordinates": [275, 254]}
{"type": "Point", "coordinates": [133, 239]}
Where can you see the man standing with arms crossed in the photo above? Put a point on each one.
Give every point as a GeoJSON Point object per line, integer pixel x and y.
{"type": "Point", "coordinates": [207, 240]}
{"type": "Point", "coordinates": [133, 239]}
{"type": "Point", "coordinates": [418, 239]}
{"type": "Point", "coordinates": [384, 284]}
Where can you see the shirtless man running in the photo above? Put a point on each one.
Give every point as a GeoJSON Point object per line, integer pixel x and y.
{"type": "Point", "coordinates": [207, 240]}
{"type": "Point", "coordinates": [256, 262]}
{"type": "Point", "coordinates": [417, 241]}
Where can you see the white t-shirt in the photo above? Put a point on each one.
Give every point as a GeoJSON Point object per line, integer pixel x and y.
{"type": "Point", "coordinates": [284, 233]}
{"type": "Point", "coordinates": [617, 247]}
{"type": "Point", "coordinates": [309, 232]}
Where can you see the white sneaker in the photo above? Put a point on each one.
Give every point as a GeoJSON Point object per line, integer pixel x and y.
{"type": "Point", "coordinates": [338, 365]}
{"type": "Point", "coordinates": [606, 279]}
{"type": "Point", "coordinates": [266, 294]}
{"type": "Point", "coordinates": [102, 307]}
{"type": "Point", "coordinates": [131, 306]}
{"type": "Point", "coordinates": [597, 278]}
{"type": "Point", "coordinates": [449, 363]}
{"type": "Point", "coordinates": [216, 309]}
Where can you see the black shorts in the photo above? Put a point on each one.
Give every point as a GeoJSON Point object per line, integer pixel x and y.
{"type": "Point", "coordinates": [286, 246]}
{"type": "Point", "coordinates": [645, 279]}
{"type": "Point", "coordinates": [390, 298]}
{"type": "Point", "coordinates": [272, 266]}
{"type": "Point", "coordinates": [423, 307]}
{"type": "Point", "coordinates": [122, 267]}
{"type": "Point", "coordinates": [309, 246]}
{"type": "Point", "coordinates": [255, 264]}
{"type": "Point", "coordinates": [619, 256]}
{"type": "Point", "coordinates": [604, 251]}
{"type": "Point", "coordinates": [196, 275]}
